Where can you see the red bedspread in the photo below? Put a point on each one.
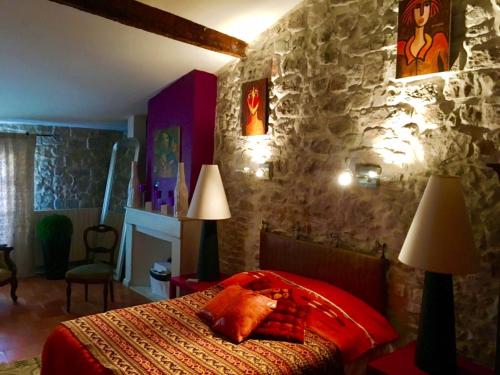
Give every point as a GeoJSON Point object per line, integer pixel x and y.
{"type": "Point", "coordinates": [168, 338]}
{"type": "Point", "coordinates": [64, 354]}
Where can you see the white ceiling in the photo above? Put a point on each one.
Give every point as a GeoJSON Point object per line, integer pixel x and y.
{"type": "Point", "coordinates": [59, 64]}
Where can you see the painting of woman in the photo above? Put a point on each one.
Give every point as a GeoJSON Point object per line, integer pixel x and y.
{"type": "Point", "coordinates": [166, 152]}
{"type": "Point", "coordinates": [254, 107]}
{"type": "Point", "coordinates": [423, 34]}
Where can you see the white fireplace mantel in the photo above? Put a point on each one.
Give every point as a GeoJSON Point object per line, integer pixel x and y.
{"type": "Point", "coordinates": [180, 241]}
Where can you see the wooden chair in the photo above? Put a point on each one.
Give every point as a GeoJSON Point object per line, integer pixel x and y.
{"type": "Point", "coordinates": [93, 272]}
{"type": "Point", "coordinates": [8, 270]}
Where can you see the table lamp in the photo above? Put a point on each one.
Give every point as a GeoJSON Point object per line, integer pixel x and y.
{"type": "Point", "coordinates": [439, 242]}
{"type": "Point", "coordinates": [209, 204]}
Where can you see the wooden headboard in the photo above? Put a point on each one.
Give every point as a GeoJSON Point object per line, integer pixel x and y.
{"type": "Point", "coordinates": [359, 274]}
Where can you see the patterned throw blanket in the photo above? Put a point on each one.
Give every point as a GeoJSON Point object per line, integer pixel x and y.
{"type": "Point", "coordinates": [168, 338]}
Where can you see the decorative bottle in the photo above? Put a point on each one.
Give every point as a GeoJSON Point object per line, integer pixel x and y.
{"type": "Point", "coordinates": [142, 190]}
{"type": "Point", "coordinates": [180, 193]}
{"type": "Point", "coordinates": [134, 194]}
{"type": "Point", "coordinates": [157, 200]}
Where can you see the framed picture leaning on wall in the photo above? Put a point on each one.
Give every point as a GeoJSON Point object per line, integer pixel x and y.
{"type": "Point", "coordinates": [423, 37]}
{"type": "Point", "coordinates": [254, 111]}
{"type": "Point", "coordinates": [166, 152]}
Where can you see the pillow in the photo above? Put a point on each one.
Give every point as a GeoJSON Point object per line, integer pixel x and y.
{"type": "Point", "coordinates": [287, 321]}
{"type": "Point", "coordinates": [341, 317]}
{"type": "Point", "coordinates": [236, 312]}
{"type": "Point", "coordinates": [334, 314]}
{"type": "Point", "coordinates": [256, 280]}
{"type": "Point", "coordinates": [215, 307]}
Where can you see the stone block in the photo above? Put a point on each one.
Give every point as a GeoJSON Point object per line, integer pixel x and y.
{"type": "Point", "coordinates": [61, 132]}
{"type": "Point", "coordinates": [336, 104]}
{"type": "Point", "coordinates": [281, 46]}
{"type": "Point", "coordinates": [292, 64]}
{"type": "Point", "coordinates": [373, 73]}
{"type": "Point", "coordinates": [330, 53]}
{"type": "Point", "coordinates": [324, 33]}
{"type": "Point", "coordinates": [483, 55]}
{"type": "Point", "coordinates": [476, 15]}
{"type": "Point", "coordinates": [360, 98]}
{"type": "Point", "coordinates": [341, 125]}
{"type": "Point", "coordinates": [480, 29]}
{"type": "Point", "coordinates": [320, 146]}
{"type": "Point", "coordinates": [287, 106]}
{"type": "Point", "coordinates": [337, 82]}
{"type": "Point", "coordinates": [289, 84]}
{"type": "Point", "coordinates": [297, 21]}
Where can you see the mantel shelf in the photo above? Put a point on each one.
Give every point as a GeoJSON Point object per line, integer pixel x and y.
{"type": "Point", "coordinates": [181, 236]}
{"type": "Point", "coordinates": [158, 213]}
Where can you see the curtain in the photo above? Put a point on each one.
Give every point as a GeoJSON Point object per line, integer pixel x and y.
{"type": "Point", "coordinates": [17, 154]}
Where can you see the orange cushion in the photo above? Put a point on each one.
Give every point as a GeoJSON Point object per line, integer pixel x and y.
{"type": "Point", "coordinates": [215, 307]}
{"type": "Point", "coordinates": [236, 312]}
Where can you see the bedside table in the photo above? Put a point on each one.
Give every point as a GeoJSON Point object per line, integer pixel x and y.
{"type": "Point", "coordinates": [186, 284]}
{"type": "Point", "coordinates": [400, 362]}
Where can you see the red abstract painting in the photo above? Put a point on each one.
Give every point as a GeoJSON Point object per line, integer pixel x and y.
{"type": "Point", "coordinates": [254, 107]}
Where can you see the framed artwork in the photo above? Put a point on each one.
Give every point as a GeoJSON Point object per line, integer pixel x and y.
{"type": "Point", "coordinates": [254, 107]}
{"type": "Point", "coordinates": [166, 152]}
{"type": "Point", "coordinates": [423, 37]}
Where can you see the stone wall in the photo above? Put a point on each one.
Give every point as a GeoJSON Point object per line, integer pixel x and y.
{"type": "Point", "coordinates": [71, 168]}
{"type": "Point", "coordinates": [334, 101]}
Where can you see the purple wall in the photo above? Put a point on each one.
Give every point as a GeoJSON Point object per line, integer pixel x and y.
{"type": "Point", "coordinates": [189, 103]}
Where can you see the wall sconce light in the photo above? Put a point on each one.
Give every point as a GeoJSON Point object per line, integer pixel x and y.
{"type": "Point", "coordinates": [345, 178]}
{"type": "Point", "coordinates": [368, 175]}
{"type": "Point", "coordinates": [262, 171]}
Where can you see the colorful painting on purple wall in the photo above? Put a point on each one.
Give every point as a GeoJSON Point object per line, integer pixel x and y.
{"type": "Point", "coordinates": [166, 152]}
{"type": "Point", "coordinates": [254, 107]}
{"type": "Point", "coordinates": [423, 37]}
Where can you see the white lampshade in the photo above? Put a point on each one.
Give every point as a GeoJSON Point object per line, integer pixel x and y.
{"type": "Point", "coordinates": [209, 199]}
{"type": "Point", "coordinates": [440, 236]}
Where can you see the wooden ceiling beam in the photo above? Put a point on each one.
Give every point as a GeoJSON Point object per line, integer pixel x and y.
{"type": "Point", "coordinates": [141, 16]}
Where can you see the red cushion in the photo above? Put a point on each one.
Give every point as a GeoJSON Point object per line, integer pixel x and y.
{"type": "Point", "coordinates": [236, 312]}
{"type": "Point", "coordinates": [254, 280]}
{"type": "Point", "coordinates": [343, 318]}
{"type": "Point", "coordinates": [287, 321]}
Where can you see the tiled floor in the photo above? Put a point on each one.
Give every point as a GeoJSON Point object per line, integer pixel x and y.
{"type": "Point", "coordinates": [41, 305]}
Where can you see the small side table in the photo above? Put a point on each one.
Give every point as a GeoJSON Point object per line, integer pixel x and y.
{"type": "Point", "coordinates": [187, 284]}
{"type": "Point", "coordinates": [401, 362]}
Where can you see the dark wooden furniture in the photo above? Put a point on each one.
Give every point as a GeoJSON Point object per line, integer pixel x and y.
{"type": "Point", "coordinates": [188, 284]}
{"type": "Point", "coordinates": [8, 275]}
{"type": "Point", "coordinates": [94, 273]}
{"type": "Point", "coordinates": [359, 274]}
{"type": "Point", "coordinates": [401, 361]}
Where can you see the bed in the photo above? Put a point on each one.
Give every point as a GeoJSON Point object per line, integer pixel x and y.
{"type": "Point", "coordinates": [167, 337]}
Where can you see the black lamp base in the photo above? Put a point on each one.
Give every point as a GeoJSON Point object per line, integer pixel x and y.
{"type": "Point", "coordinates": [208, 258]}
{"type": "Point", "coordinates": [436, 349]}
